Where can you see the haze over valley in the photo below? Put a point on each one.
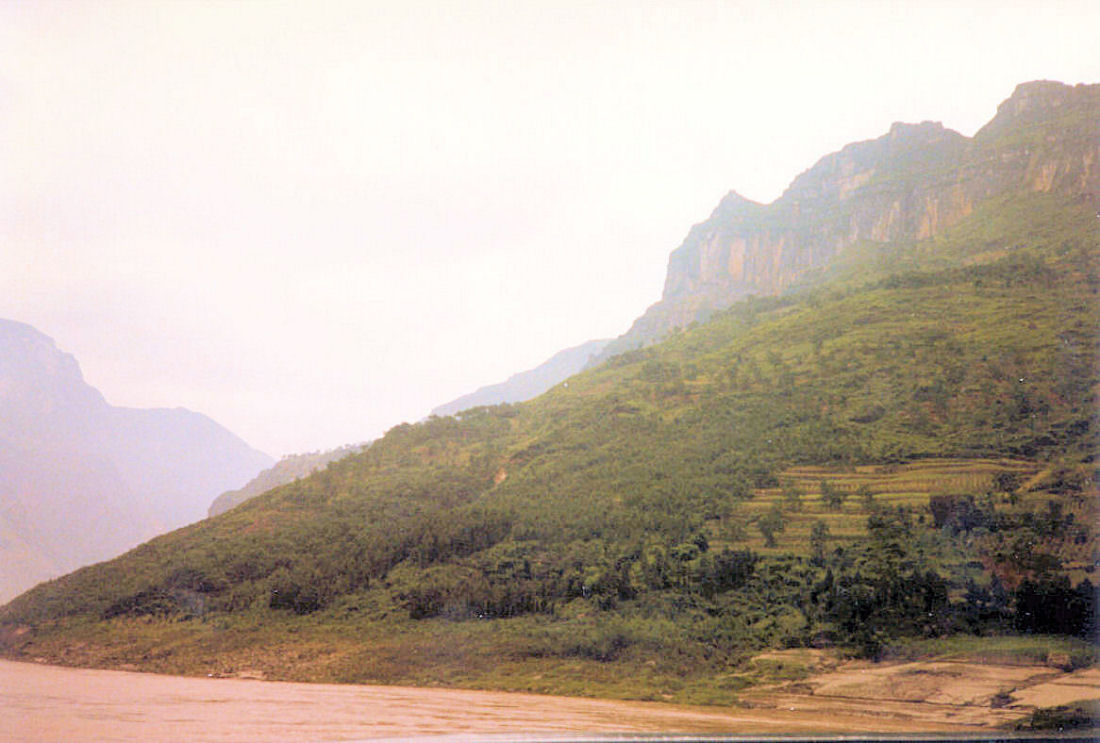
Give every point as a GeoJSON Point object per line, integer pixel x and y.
{"type": "Point", "coordinates": [312, 224]}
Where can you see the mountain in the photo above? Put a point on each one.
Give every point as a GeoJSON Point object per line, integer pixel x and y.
{"type": "Point", "coordinates": [81, 480]}
{"type": "Point", "coordinates": [899, 451]}
{"type": "Point", "coordinates": [912, 184]}
{"type": "Point", "coordinates": [528, 384]}
{"type": "Point", "coordinates": [287, 469]}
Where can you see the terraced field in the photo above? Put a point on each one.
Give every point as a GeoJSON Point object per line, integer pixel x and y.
{"type": "Point", "coordinates": [908, 485]}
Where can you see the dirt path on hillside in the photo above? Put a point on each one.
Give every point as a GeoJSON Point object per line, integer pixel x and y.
{"type": "Point", "coordinates": [49, 703]}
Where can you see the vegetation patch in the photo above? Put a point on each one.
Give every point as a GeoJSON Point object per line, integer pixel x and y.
{"type": "Point", "coordinates": [1064, 718]}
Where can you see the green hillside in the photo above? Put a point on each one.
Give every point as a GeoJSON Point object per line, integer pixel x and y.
{"type": "Point", "coordinates": [902, 449]}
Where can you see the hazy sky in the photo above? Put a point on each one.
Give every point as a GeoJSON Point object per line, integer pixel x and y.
{"type": "Point", "coordinates": [312, 221]}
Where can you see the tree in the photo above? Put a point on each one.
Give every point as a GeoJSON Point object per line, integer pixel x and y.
{"type": "Point", "coordinates": [724, 571]}
{"type": "Point", "coordinates": [819, 537]}
{"type": "Point", "coordinates": [831, 495]}
{"type": "Point", "coordinates": [889, 534]}
{"type": "Point", "coordinates": [733, 530]}
{"type": "Point", "coordinates": [958, 513]}
{"type": "Point", "coordinates": [771, 524]}
{"type": "Point", "coordinates": [1047, 604]}
{"type": "Point", "coordinates": [1006, 482]}
{"type": "Point", "coordinates": [867, 496]}
{"type": "Point", "coordinates": [792, 496]}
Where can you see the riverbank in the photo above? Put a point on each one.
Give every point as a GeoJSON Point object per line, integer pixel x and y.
{"type": "Point", "coordinates": [49, 703]}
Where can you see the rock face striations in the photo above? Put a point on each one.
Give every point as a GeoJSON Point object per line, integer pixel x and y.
{"type": "Point", "coordinates": [81, 480]}
{"type": "Point", "coordinates": [911, 184]}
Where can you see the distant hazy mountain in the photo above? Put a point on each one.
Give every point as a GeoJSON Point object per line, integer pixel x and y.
{"type": "Point", "coordinates": [287, 469]}
{"type": "Point", "coordinates": [81, 480]}
{"type": "Point", "coordinates": [528, 384]}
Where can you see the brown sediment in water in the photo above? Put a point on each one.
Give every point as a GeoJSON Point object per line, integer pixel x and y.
{"type": "Point", "coordinates": [50, 703]}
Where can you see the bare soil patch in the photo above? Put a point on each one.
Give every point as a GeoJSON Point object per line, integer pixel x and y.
{"type": "Point", "coordinates": [930, 692]}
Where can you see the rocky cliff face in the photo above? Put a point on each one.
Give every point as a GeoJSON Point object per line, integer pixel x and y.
{"type": "Point", "coordinates": [81, 480]}
{"type": "Point", "coordinates": [911, 184]}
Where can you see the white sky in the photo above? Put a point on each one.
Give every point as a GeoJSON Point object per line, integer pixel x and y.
{"type": "Point", "coordinates": [312, 221]}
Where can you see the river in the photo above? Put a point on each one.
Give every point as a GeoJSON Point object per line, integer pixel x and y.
{"type": "Point", "coordinates": [49, 703]}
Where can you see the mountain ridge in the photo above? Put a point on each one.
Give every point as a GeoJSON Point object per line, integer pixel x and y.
{"type": "Point", "coordinates": [911, 183]}
{"type": "Point", "coordinates": [524, 385]}
{"type": "Point", "coordinates": [287, 469]}
{"type": "Point", "coordinates": [82, 480]}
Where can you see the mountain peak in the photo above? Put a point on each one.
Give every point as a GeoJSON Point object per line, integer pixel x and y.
{"type": "Point", "coordinates": [734, 204]}
{"type": "Point", "coordinates": [27, 351]}
{"type": "Point", "coordinates": [1039, 90]}
{"type": "Point", "coordinates": [923, 130]}
{"type": "Point", "coordinates": [905, 147]}
{"type": "Point", "coordinates": [38, 381]}
{"type": "Point", "coordinates": [1039, 100]}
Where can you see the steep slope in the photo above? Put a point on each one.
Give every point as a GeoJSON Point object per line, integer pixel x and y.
{"type": "Point", "coordinates": [80, 480]}
{"type": "Point", "coordinates": [611, 530]}
{"type": "Point", "coordinates": [912, 184]}
{"type": "Point", "coordinates": [528, 384]}
{"type": "Point", "coordinates": [287, 469]}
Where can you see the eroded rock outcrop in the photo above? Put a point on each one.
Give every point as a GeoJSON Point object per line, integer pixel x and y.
{"type": "Point", "coordinates": [911, 184]}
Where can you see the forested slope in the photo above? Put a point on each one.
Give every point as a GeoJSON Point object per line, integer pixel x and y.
{"type": "Point", "coordinates": [631, 490]}
{"type": "Point", "coordinates": [903, 447]}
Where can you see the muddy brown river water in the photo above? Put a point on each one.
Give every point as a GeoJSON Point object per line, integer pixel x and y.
{"type": "Point", "coordinates": [50, 703]}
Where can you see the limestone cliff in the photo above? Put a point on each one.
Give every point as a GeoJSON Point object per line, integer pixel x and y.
{"type": "Point", "coordinates": [911, 184]}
